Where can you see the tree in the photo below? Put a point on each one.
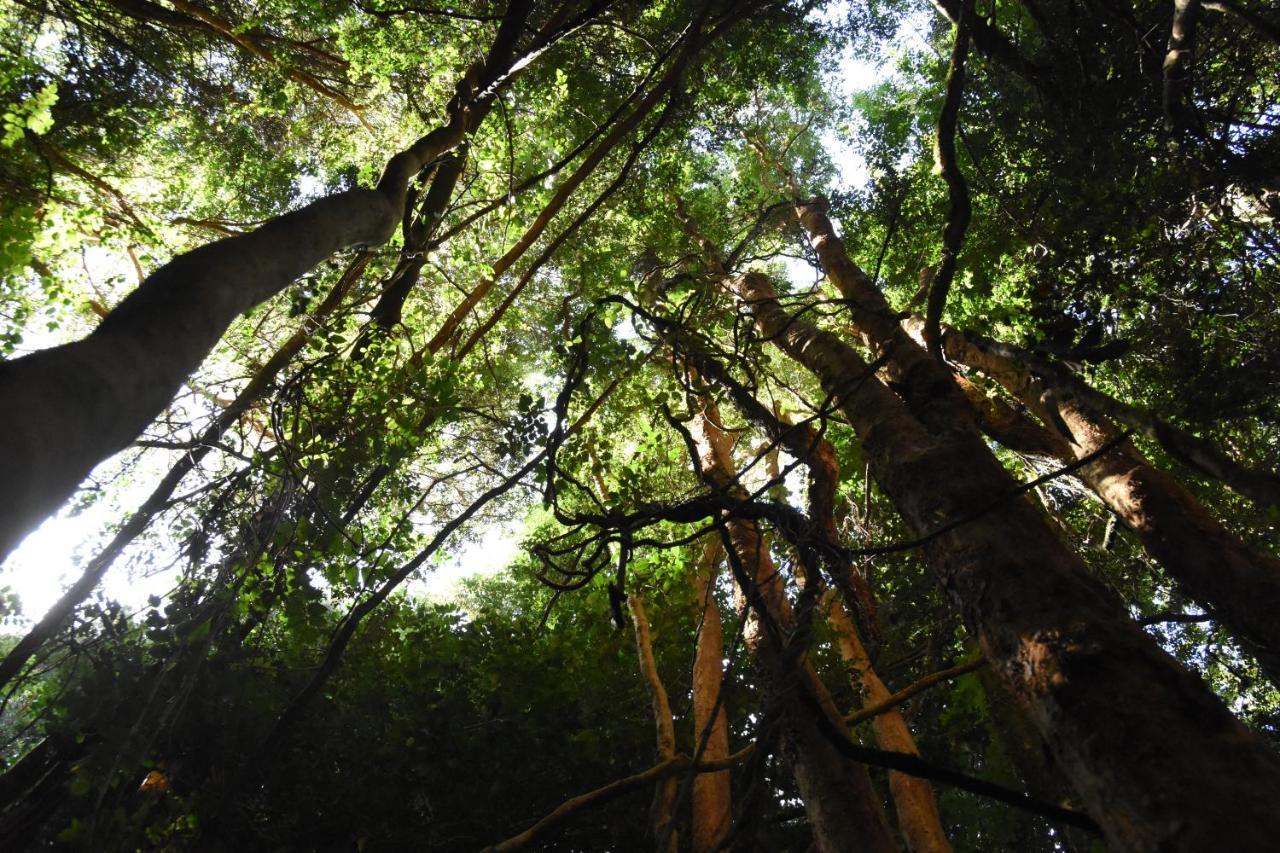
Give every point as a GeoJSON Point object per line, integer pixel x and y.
{"type": "Point", "coordinates": [626, 289]}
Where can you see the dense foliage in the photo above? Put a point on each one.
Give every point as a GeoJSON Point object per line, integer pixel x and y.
{"type": "Point", "coordinates": [300, 686]}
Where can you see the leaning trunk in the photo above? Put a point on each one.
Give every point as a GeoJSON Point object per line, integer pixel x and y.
{"type": "Point", "coordinates": [841, 805]}
{"type": "Point", "coordinates": [75, 405]}
{"type": "Point", "coordinates": [1135, 732]}
{"type": "Point", "coordinates": [1238, 584]}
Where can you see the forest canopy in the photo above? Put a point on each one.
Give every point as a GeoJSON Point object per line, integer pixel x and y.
{"type": "Point", "coordinates": [843, 425]}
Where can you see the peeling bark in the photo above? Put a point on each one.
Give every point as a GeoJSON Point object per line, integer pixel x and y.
{"type": "Point", "coordinates": [1199, 454]}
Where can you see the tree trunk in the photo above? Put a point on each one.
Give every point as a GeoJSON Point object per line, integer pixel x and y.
{"type": "Point", "coordinates": [158, 500]}
{"type": "Point", "coordinates": [664, 797]}
{"type": "Point", "coordinates": [1135, 732]}
{"type": "Point", "coordinates": [920, 379]}
{"type": "Point", "coordinates": [712, 806]}
{"type": "Point", "coordinates": [841, 805]}
{"type": "Point", "coordinates": [74, 405]}
{"type": "Point", "coordinates": [1238, 584]}
{"type": "Point", "coordinates": [918, 817]}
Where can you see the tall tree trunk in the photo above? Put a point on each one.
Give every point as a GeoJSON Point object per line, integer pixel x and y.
{"type": "Point", "coordinates": [664, 797]}
{"type": "Point", "coordinates": [918, 817]}
{"type": "Point", "coordinates": [72, 406]}
{"type": "Point", "coordinates": [158, 500]}
{"type": "Point", "coordinates": [1135, 732]}
{"type": "Point", "coordinates": [913, 800]}
{"type": "Point", "coordinates": [712, 806]}
{"type": "Point", "coordinates": [917, 810]}
{"type": "Point", "coordinates": [842, 807]}
{"type": "Point", "coordinates": [1238, 584]}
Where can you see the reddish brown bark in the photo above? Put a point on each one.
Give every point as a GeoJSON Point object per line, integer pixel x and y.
{"type": "Point", "coordinates": [913, 800]}
{"type": "Point", "coordinates": [917, 810]}
{"type": "Point", "coordinates": [1015, 430]}
{"type": "Point", "coordinates": [918, 818]}
{"type": "Point", "coordinates": [842, 807]}
{"type": "Point", "coordinates": [1136, 734]}
{"type": "Point", "coordinates": [926, 385]}
{"type": "Point", "coordinates": [664, 798]}
{"type": "Point", "coordinates": [712, 806]}
{"type": "Point", "coordinates": [1238, 584]}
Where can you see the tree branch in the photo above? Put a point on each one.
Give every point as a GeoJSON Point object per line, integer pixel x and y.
{"type": "Point", "coordinates": [961, 210]}
{"type": "Point", "coordinates": [912, 689]}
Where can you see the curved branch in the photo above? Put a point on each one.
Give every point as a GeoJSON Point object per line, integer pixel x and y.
{"type": "Point", "coordinates": [960, 211]}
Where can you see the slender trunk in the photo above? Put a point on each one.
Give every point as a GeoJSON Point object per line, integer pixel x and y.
{"type": "Point", "coordinates": [960, 210]}
{"type": "Point", "coordinates": [1135, 732]}
{"type": "Point", "coordinates": [664, 797]}
{"type": "Point", "coordinates": [918, 817]}
{"type": "Point", "coordinates": [420, 233]}
{"type": "Point", "coordinates": [913, 797]}
{"type": "Point", "coordinates": [1238, 584]}
{"type": "Point", "coordinates": [76, 404]}
{"type": "Point", "coordinates": [1201, 455]}
{"type": "Point", "coordinates": [841, 805]}
{"type": "Point", "coordinates": [712, 806]}
{"type": "Point", "coordinates": [566, 189]}
{"type": "Point", "coordinates": [1179, 62]}
{"type": "Point", "coordinates": [499, 57]}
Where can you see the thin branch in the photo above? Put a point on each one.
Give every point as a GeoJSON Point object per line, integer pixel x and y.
{"type": "Point", "coordinates": [1179, 618]}
{"type": "Point", "coordinates": [913, 689]}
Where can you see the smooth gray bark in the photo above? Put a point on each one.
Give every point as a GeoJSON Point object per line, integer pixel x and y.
{"type": "Point", "coordinates": [69, 407]}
